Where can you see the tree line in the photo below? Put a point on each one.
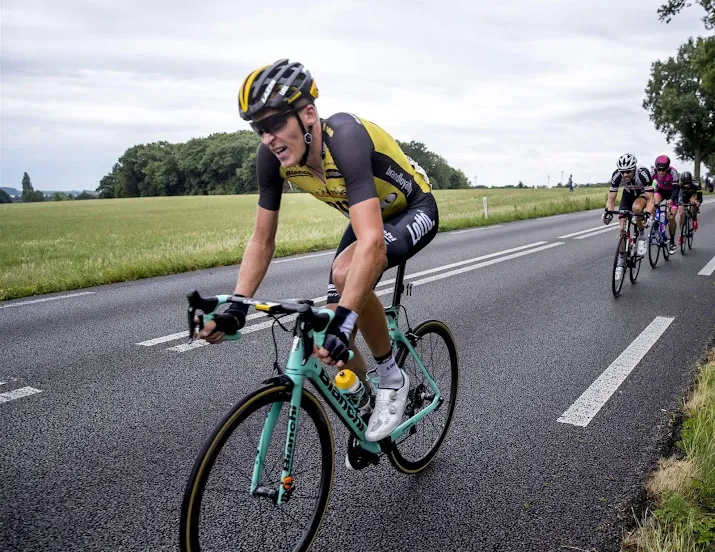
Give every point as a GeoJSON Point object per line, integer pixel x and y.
{"type": "Point", "coordinates": [680, 96]}
{"type": "Point", "coordinates": [224, 163]}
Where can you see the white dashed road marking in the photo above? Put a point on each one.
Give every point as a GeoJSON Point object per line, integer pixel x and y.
{"type": "Point", "coordinates": [592, 400]}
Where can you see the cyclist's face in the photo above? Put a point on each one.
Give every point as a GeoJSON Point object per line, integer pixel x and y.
{"type": "Point", "coordinates": [627, 175]}
{"type": "Point", "coordinates": [282, 134]}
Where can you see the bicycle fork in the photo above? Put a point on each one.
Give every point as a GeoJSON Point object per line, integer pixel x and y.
{"type": "Point", "coordinates": [282, 494]}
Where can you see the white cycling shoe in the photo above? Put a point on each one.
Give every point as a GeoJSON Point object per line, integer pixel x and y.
{"type": "Point", "coordinates": [387, 414]}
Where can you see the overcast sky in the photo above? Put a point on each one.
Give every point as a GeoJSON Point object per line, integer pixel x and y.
{"type": "Point", "coordinates": [507, 91]}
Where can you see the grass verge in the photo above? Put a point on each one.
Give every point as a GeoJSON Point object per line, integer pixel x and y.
{"type": "Point", "coordinates": [682, 489]}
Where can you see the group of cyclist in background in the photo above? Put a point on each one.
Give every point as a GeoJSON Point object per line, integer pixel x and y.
{"type": "Point", "coordinates": [643, 190]}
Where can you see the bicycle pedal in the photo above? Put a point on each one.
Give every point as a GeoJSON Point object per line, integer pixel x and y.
{"type": "Point", "coordinates": [360, 458]}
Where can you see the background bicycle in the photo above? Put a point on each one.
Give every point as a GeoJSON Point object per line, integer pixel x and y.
{"type": "Point", "coordinates": [659, 238]}
{"type": "Point", "coordinates": [627, 257]}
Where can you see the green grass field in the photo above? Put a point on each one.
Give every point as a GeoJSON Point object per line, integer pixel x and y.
{"type": "Point", "coordinates": [58, 246]}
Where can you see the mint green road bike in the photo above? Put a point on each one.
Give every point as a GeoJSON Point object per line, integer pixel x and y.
{"type": "Point", "coordinates": [263, 478]}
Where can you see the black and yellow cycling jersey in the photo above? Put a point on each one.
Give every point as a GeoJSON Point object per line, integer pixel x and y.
{"type": "Point", "coordinates": [360, 161]}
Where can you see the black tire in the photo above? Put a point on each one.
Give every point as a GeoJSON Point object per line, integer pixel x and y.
{"type": "Point", "coordinates": [435, 345]}
{"type": "Point", "coordinates": [684, 235]}
{"type": "Point", "coordinates": [635, 264]}
{"type": "Point", "coordinates": [654, 245]}
{"type": "Point", "coordinates": [239, 520]}
{"type": "Point", "coordinates": [666, 246]}
{"type": "Point", "coordinates": [617, 284]}
{"type": "Point", "coordinates": [691, 233]}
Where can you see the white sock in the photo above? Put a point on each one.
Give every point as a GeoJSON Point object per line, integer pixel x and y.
{"type": "Point", "coordinates": [390, 374]}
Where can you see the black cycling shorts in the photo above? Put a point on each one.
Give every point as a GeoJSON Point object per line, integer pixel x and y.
{"type": "Point", "coordinates": [628, 198]}
{"type": "Point", "coordinates": [406, 233]}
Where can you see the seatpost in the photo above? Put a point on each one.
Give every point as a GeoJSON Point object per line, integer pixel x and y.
{"type": "Point", "coordinates": [399, 286]}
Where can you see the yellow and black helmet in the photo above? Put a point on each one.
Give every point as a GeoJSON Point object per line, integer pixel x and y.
{"type": "Point", "coordinates": [278, 86]}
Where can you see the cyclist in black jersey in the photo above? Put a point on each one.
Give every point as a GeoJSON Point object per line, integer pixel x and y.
{"type": "Point", "coordinates": [637, 195]}
{"type": "Point", "coordinates": [359, 169]}
{"type": "Point", "coordinates": [691, 192]}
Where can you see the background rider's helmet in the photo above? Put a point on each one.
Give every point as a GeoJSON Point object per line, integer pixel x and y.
{"type": "Point", "coordinates": [662, 162]}
{"type": "Point", "coordinates": [686, 178]}
{"type": "Point", "coordinates": [627, 162]}
{"type": "Point", "coordinates": [278, 86]}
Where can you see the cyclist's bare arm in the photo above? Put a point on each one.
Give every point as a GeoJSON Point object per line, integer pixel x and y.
{"type": "Point", "coordinates": [370, 254]}
{"type": "Point", "coordinates": [256, 259]}
{"type": "Point", "coordinates": [611, 201]}
{"type": "Point", "coordinates": [258, 254]}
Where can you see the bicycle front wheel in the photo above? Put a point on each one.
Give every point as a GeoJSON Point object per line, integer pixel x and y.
{"type": "Point", "coordinates": [634, 263]}
{"type": "Point", "coordinates": [653, 245]}
{"type": "Point", "coordinates": [619, 266]}
{"type": "Point", "coordinates": [434, 344]}
{"type": "Point", "coordinates": [220, 513]}
{"type": "Point", "coordinates": [684, 236]}
{"type": "Point", "coordinates": [690, 233]}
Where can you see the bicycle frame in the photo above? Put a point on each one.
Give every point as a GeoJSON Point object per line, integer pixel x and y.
{"type": "Point", "coordinates": [315, 372]}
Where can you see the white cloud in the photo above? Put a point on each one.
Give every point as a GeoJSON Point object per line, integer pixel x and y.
{"type": "Point", "coordinates": [510, 91]}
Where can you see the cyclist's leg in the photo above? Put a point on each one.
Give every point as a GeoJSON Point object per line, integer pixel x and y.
{"type": "Point", "coordinates": [672, 208]}
{"type": "Point", "coordinates": [627, 200]}
{"type": "Point", "coordinates": [405, 234]}
{"type": "Point", "coordinates": [639, 206]}
{"type": "Point", "coordinates": [694, 208]}
{"type": "Point", "coordinates": [357, 364]}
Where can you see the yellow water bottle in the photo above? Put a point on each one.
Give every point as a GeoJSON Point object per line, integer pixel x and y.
{"type": "Point", "coordinates": [354, 390]}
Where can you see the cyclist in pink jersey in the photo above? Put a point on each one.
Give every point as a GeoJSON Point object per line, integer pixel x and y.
{"type": "Point", "coordinates": [665, 185]}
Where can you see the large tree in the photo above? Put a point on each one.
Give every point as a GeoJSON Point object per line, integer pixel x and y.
{"type": "Point", "coordinates": [5, 197]}
{"type": "Point", "coordinates": [680, 107]}
{"type": "Point", "coordinates": [672, 7]}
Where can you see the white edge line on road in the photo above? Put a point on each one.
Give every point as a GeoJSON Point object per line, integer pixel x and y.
{"type": "Point", "coordinates": [708, 269]}
{"type": "Point", "coordinates": [581, 412]}
{"type": "Point", "coordinates": [487, 263]}
{"type": "Point", "coordinates": [18, 394]}
{"type": "Point", "coordinates": [475, 229]}
{"type": "Point", "coordinates": [602, 231]}
{"type": "Point", "coordinates": [45, 299]}
{"type": "Point", "coordinates": [580, 232]}
{"type": "Point", "coordinates": [185, 333]}
{"type": "Point", "coordinates": [303, 257]}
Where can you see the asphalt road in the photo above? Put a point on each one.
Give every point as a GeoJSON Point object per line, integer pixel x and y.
{"type": "Point", "coordinates": [103, 407]}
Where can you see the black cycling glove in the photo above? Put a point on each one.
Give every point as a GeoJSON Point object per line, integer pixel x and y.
{"type": "Point", "coordinates": [337, 336]}
{"type": "Point", "coordinates": [232, 319]}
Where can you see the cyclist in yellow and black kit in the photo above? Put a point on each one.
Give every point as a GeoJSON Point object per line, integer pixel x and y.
{"type": "Point", "coordinates": [359, 169]}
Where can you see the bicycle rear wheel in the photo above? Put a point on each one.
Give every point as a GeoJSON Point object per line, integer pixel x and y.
{"type": "Point", "coordinates": [218, 510]}
{"type": "Point", "coordinates": [653, 245]}
{"type": "Point", "coordinates": [434, 344]}
{"type": "Point", "coordinates": [619, 269]}
{"type": "Point", "coordinates": [664, 244]}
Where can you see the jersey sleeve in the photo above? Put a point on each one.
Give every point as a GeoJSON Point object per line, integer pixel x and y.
{"type": "Point", "coordinates": [352, 150]}
{"type": "Point", "coordinates": [645, 178]}
{"type": "Point", "coordinates": [615, 181]}
{"type": "Point", "coordinates": [270, 181]}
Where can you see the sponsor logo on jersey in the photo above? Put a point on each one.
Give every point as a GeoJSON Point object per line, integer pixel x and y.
{"type": "Point", "coordinates": [389, 238]}
{"type": "Point", "coordinates": [404, 183]}
{"type": "Point", "coordinates": [422, 225]}
{"type": "Point", "coordinates": [333, 173]}
{"type": "Point", "coordinates": [297, 172]}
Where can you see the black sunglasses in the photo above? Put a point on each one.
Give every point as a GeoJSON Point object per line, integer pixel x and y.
{"type": "Point", "coordinates": [273, 123]}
